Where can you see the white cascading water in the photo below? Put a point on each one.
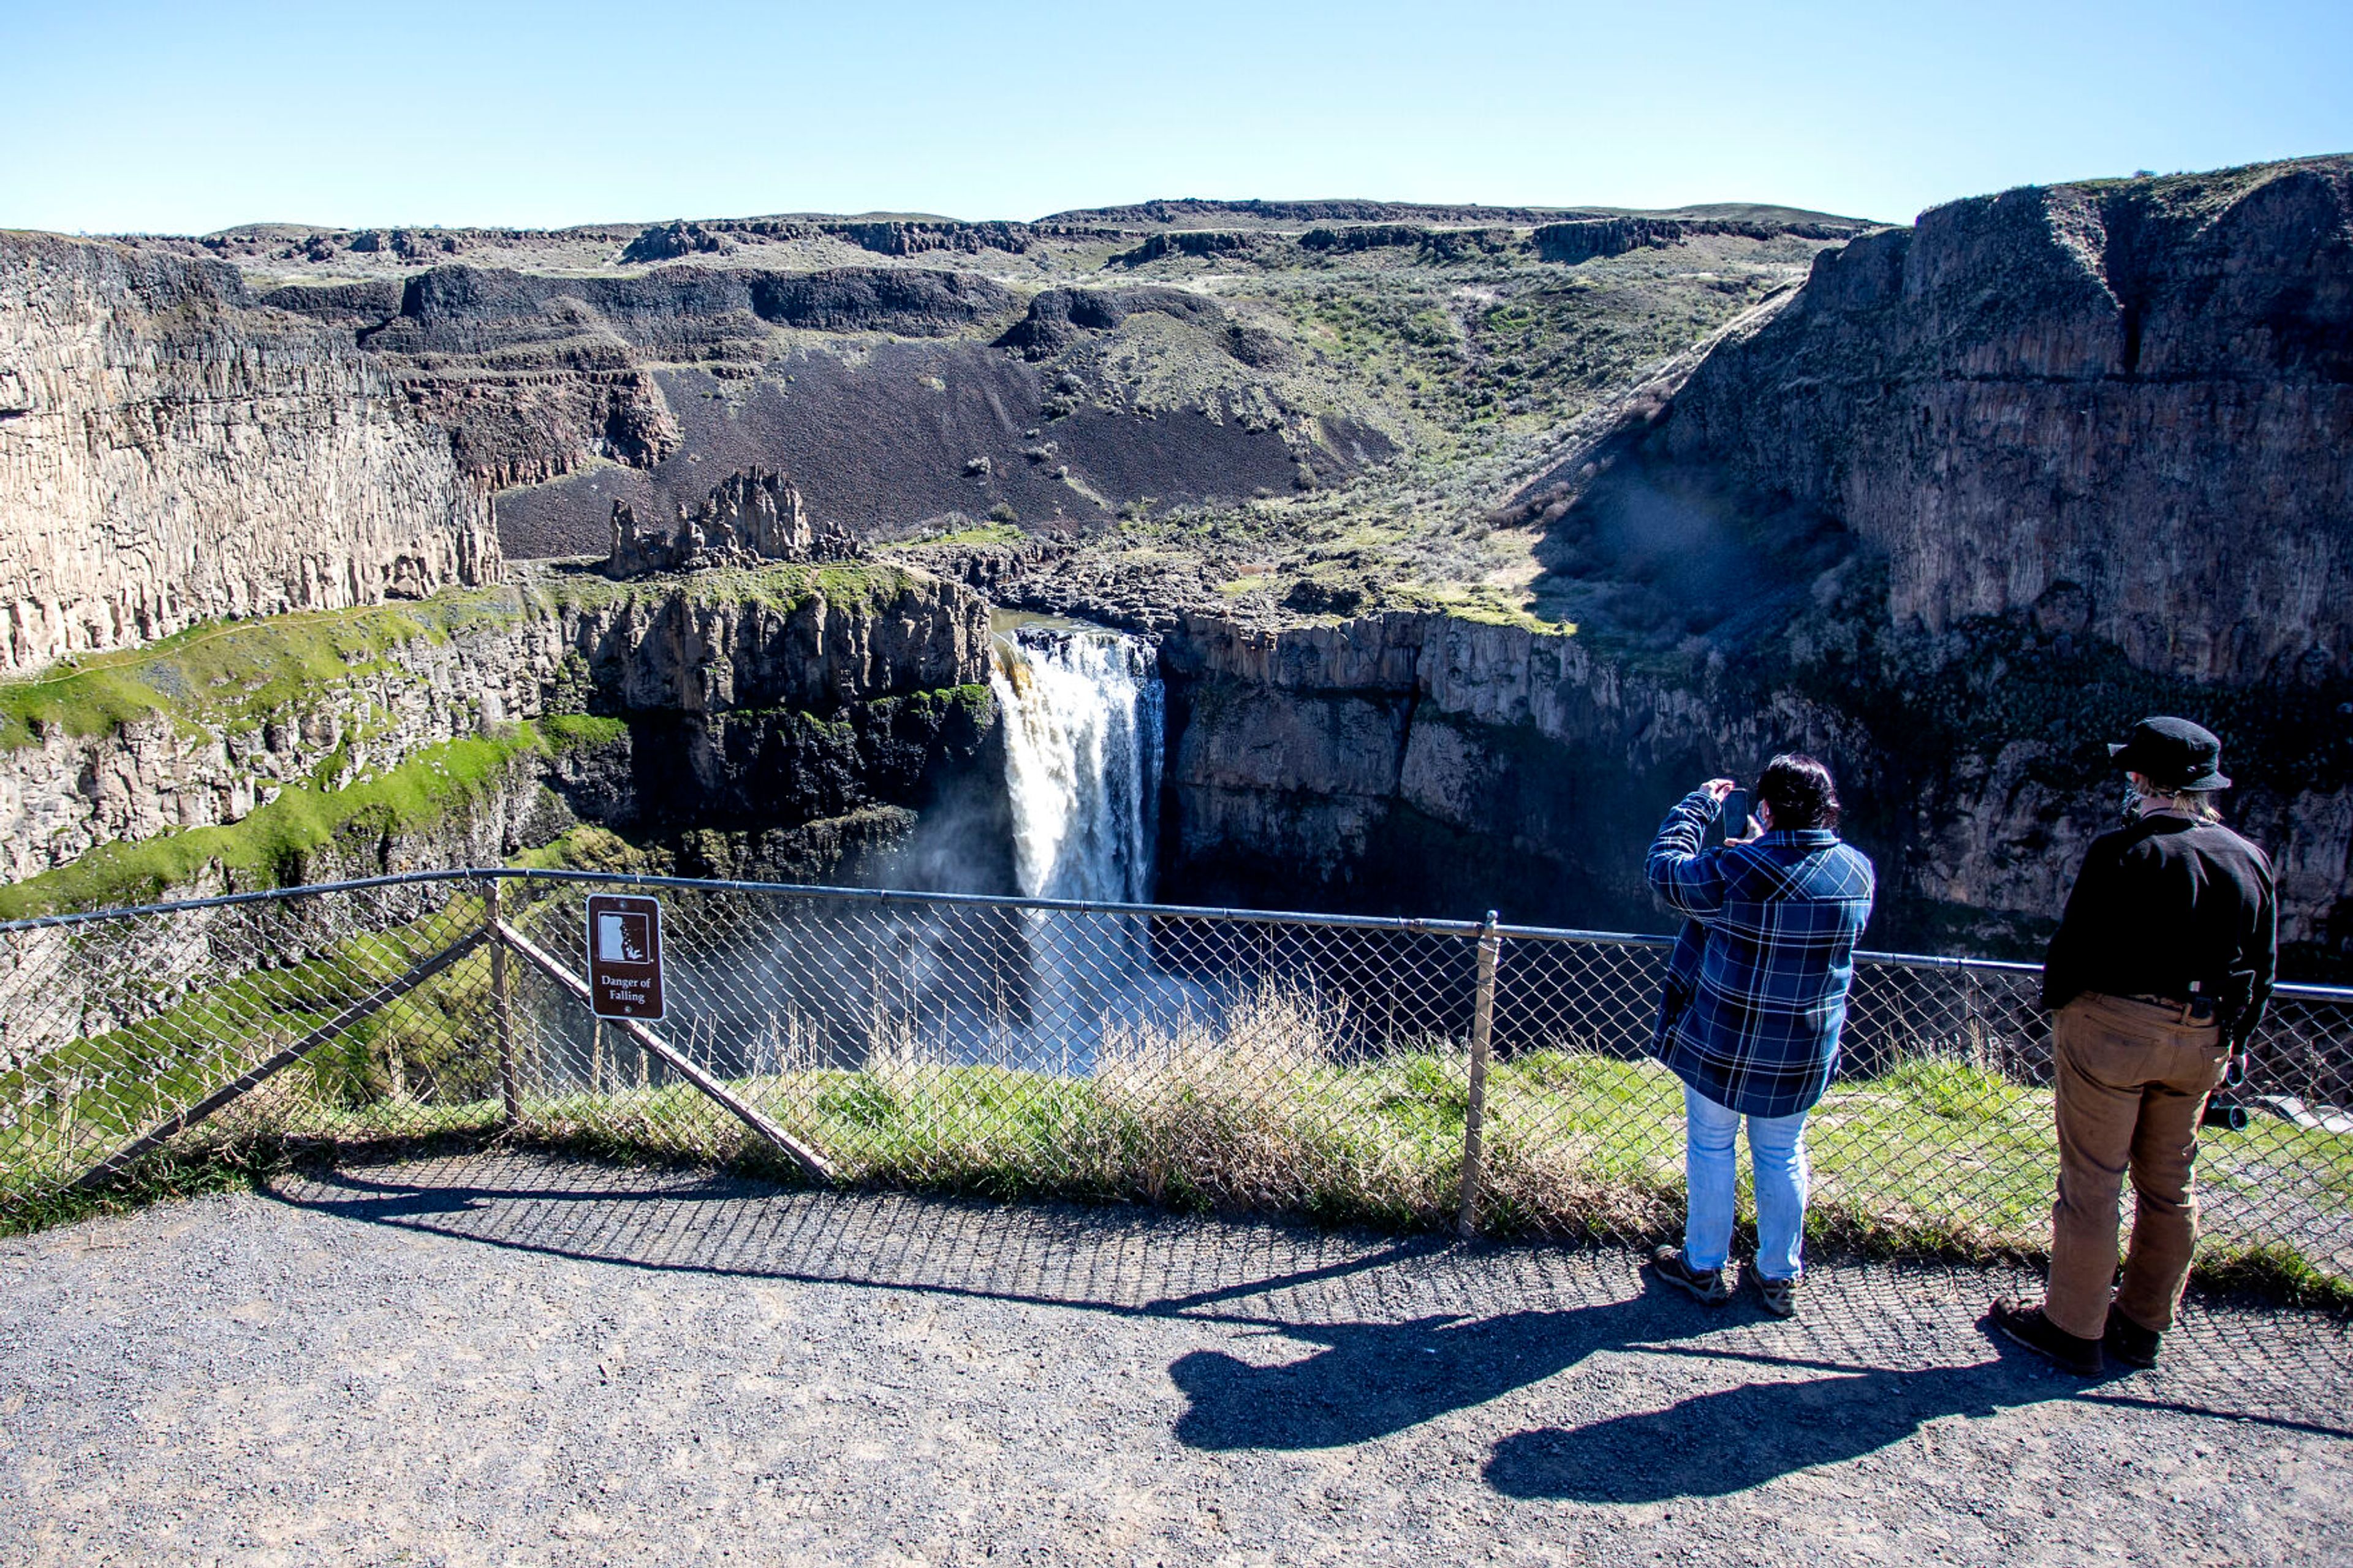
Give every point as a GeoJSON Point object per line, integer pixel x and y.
{"type": "Point", "coordinates": [1082, 714]}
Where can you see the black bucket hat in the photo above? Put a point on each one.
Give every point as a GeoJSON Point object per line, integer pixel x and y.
{"type": "Point", "coordinates": [2174, 754]}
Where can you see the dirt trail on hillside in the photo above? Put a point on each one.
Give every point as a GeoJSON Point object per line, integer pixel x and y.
{"type": "Point", "coordinates": [500, 1359]}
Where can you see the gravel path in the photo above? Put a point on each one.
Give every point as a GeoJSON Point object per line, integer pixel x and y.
{"type": "Point", "coordinates": [500, 1359]}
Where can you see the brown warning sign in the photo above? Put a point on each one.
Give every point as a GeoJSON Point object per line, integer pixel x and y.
{"type": "Point", "coordinates": [625, 966]}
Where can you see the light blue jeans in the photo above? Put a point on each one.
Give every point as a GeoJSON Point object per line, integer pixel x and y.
{"type": "Point", "coordinates": [1776, 1154]}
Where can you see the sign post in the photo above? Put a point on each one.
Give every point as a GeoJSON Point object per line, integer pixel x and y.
{"type": "Point", "coordinates": [625, 963]}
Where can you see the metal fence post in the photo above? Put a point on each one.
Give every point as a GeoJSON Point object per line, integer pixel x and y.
{"type": "Point", "coordinates": [1475, 1114]}
{"type": "Point", "coordinates": [502, 1007]}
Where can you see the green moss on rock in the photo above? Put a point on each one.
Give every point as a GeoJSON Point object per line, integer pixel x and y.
{"type": "Point", "coordinates": [268, 846]}
{"type": "Point", "coordinates": [783, 586]}
{"type": "Point", "coordinates": [233, 675]}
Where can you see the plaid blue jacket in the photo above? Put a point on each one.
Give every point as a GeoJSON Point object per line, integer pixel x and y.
{"type": "Point", "coordinates": [1756, 990]}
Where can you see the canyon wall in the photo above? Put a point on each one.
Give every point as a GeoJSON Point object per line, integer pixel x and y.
{"type": "Point", "coordinates": [1421, 764]}
{"type": "Point", "coordinates": [1416, 763]}
{"type": "Point", "coordinates": [835, 671]}
{"type": "Point", "coordinates": [2128, 404]}
{"type": "Point", "coordinates": [536, 377]}
{"type": "Point", "coordinates": [171, 452]}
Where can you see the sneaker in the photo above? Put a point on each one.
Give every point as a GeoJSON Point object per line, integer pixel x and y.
{"type": "Point", "coordinates": [2129, 1342]}
{"type": "Point", "coordinates": [2029, 1327]}
{"type": "Point", "coordinates": [1708, 1286]}
{"type": "Point", "coordinates": [1779, 1296]}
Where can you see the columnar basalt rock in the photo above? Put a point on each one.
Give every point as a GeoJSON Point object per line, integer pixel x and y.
{"type": "Point", "coordinates": [172, 453]}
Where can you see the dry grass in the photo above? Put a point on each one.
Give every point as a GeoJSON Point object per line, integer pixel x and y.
{"type": "Point", "coordinates": [1277, 1104]}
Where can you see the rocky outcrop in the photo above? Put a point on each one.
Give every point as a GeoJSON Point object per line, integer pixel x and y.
{"type": "Point", "coordinates": [676, 312]}
{"type": "Point", "coordinates": [665, 241]}
{"type": "Point", "coordinates": [1057, 318]}
{"type": "Point", "coordinates": [883, 236]}
{"type": "Point", "coordinates": [1195, 213]}
{"type": "Point", "coordinates": [1583, 240]}
{"type": "Point", "coordinates": [545, 396]}
{"type": "Point", "coordinates": [1197, 242]}
{"type": "Point", "coordinates": [814, 640]}
{"type": "Point", "coordinates": [171, 452]}
{"type": "Point", "coordinates": [509, 428]}
{"type": "Point", "coordinates": [750, 517]}
{"type": "Point", "coordinates": [808, 641]}
{"type": "Point", "coordinates": [536, 376]}
{"type": "Point", "coordinates": [2126, 403]}
{"type": "Point", "coordinates": [1437, 244]}
{"type": "Point", "coordinates": [410, 245]}
{"type": "Point", "coordinates": [1417, 763]}
{"type": "Point", "coordinates": [914, 236]}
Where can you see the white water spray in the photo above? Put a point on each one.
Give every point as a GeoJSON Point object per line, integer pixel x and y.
{"type": "Point", "coordinates": [1082, 714]}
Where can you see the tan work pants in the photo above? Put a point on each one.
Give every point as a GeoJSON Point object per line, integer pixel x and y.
{"type": "Point", "coordinates": [2132, 1085]}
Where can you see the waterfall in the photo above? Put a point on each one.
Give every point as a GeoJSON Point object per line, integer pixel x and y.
{"type": "Point", "coordinates": [1083, 716]}
{"type": "Point", "coordinates": [859, 985]}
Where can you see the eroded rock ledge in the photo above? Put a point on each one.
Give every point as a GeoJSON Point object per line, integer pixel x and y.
{"type": "Point", "coordinates": [1412, 764]}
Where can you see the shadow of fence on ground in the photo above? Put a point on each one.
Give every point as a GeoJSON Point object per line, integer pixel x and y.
{"type": "Point", "coordinates": [1409, 1327]}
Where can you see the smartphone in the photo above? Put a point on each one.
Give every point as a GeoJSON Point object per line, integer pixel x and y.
{"type": "Point", "coordinates": [1735, 815]}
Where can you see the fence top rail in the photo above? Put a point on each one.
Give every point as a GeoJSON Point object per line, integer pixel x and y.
{"type": "Point", "coordinates": [222, 901]}
{"type": "Point", "coordinates": [891, 896]}
{"type": "Point", "coordinates": [793, 890]}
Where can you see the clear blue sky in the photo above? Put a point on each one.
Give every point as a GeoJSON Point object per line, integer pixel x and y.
{"type": "Point", "coordinates": [179, 117]}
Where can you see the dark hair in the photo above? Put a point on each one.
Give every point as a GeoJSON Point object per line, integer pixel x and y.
{"type": "Point", "coordinates": [1800, 792]}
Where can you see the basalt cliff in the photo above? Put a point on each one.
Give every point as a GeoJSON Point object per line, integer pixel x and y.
{"type": "Point", "coordinates": [172, 451]}
{"type": "Point", "coordinates": [2126, 409]}
{"type": "Point", "coordinates": [785, 721]}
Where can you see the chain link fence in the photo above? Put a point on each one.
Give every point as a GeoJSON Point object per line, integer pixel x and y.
{"type": "Point", "coordinates": [1405, 1072]}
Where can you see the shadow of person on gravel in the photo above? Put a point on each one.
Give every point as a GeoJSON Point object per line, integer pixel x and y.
{"type": "Point", "coordinates": [1373, 1379]}
{"type": "Point", "coordinates": [1713, 1444]}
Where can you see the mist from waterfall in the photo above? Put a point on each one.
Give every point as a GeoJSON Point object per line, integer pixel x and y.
{"type": "Point", "coordinates": [1083, 711]}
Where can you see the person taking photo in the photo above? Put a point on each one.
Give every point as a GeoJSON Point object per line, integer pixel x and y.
{"type": "Point", "coordinates": [2159, 973]}
{"type": "Point", "coordinates": [1749, 1019]}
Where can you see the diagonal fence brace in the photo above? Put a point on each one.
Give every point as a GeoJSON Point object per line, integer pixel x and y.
{"type": "Point", "coordinates": [278, 1061]}
{"type": "Point", "coordinates": [809, 1160]}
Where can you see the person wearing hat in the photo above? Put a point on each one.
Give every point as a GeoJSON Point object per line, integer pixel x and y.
{"type": "Point", "coordinates": [2159, 971]}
